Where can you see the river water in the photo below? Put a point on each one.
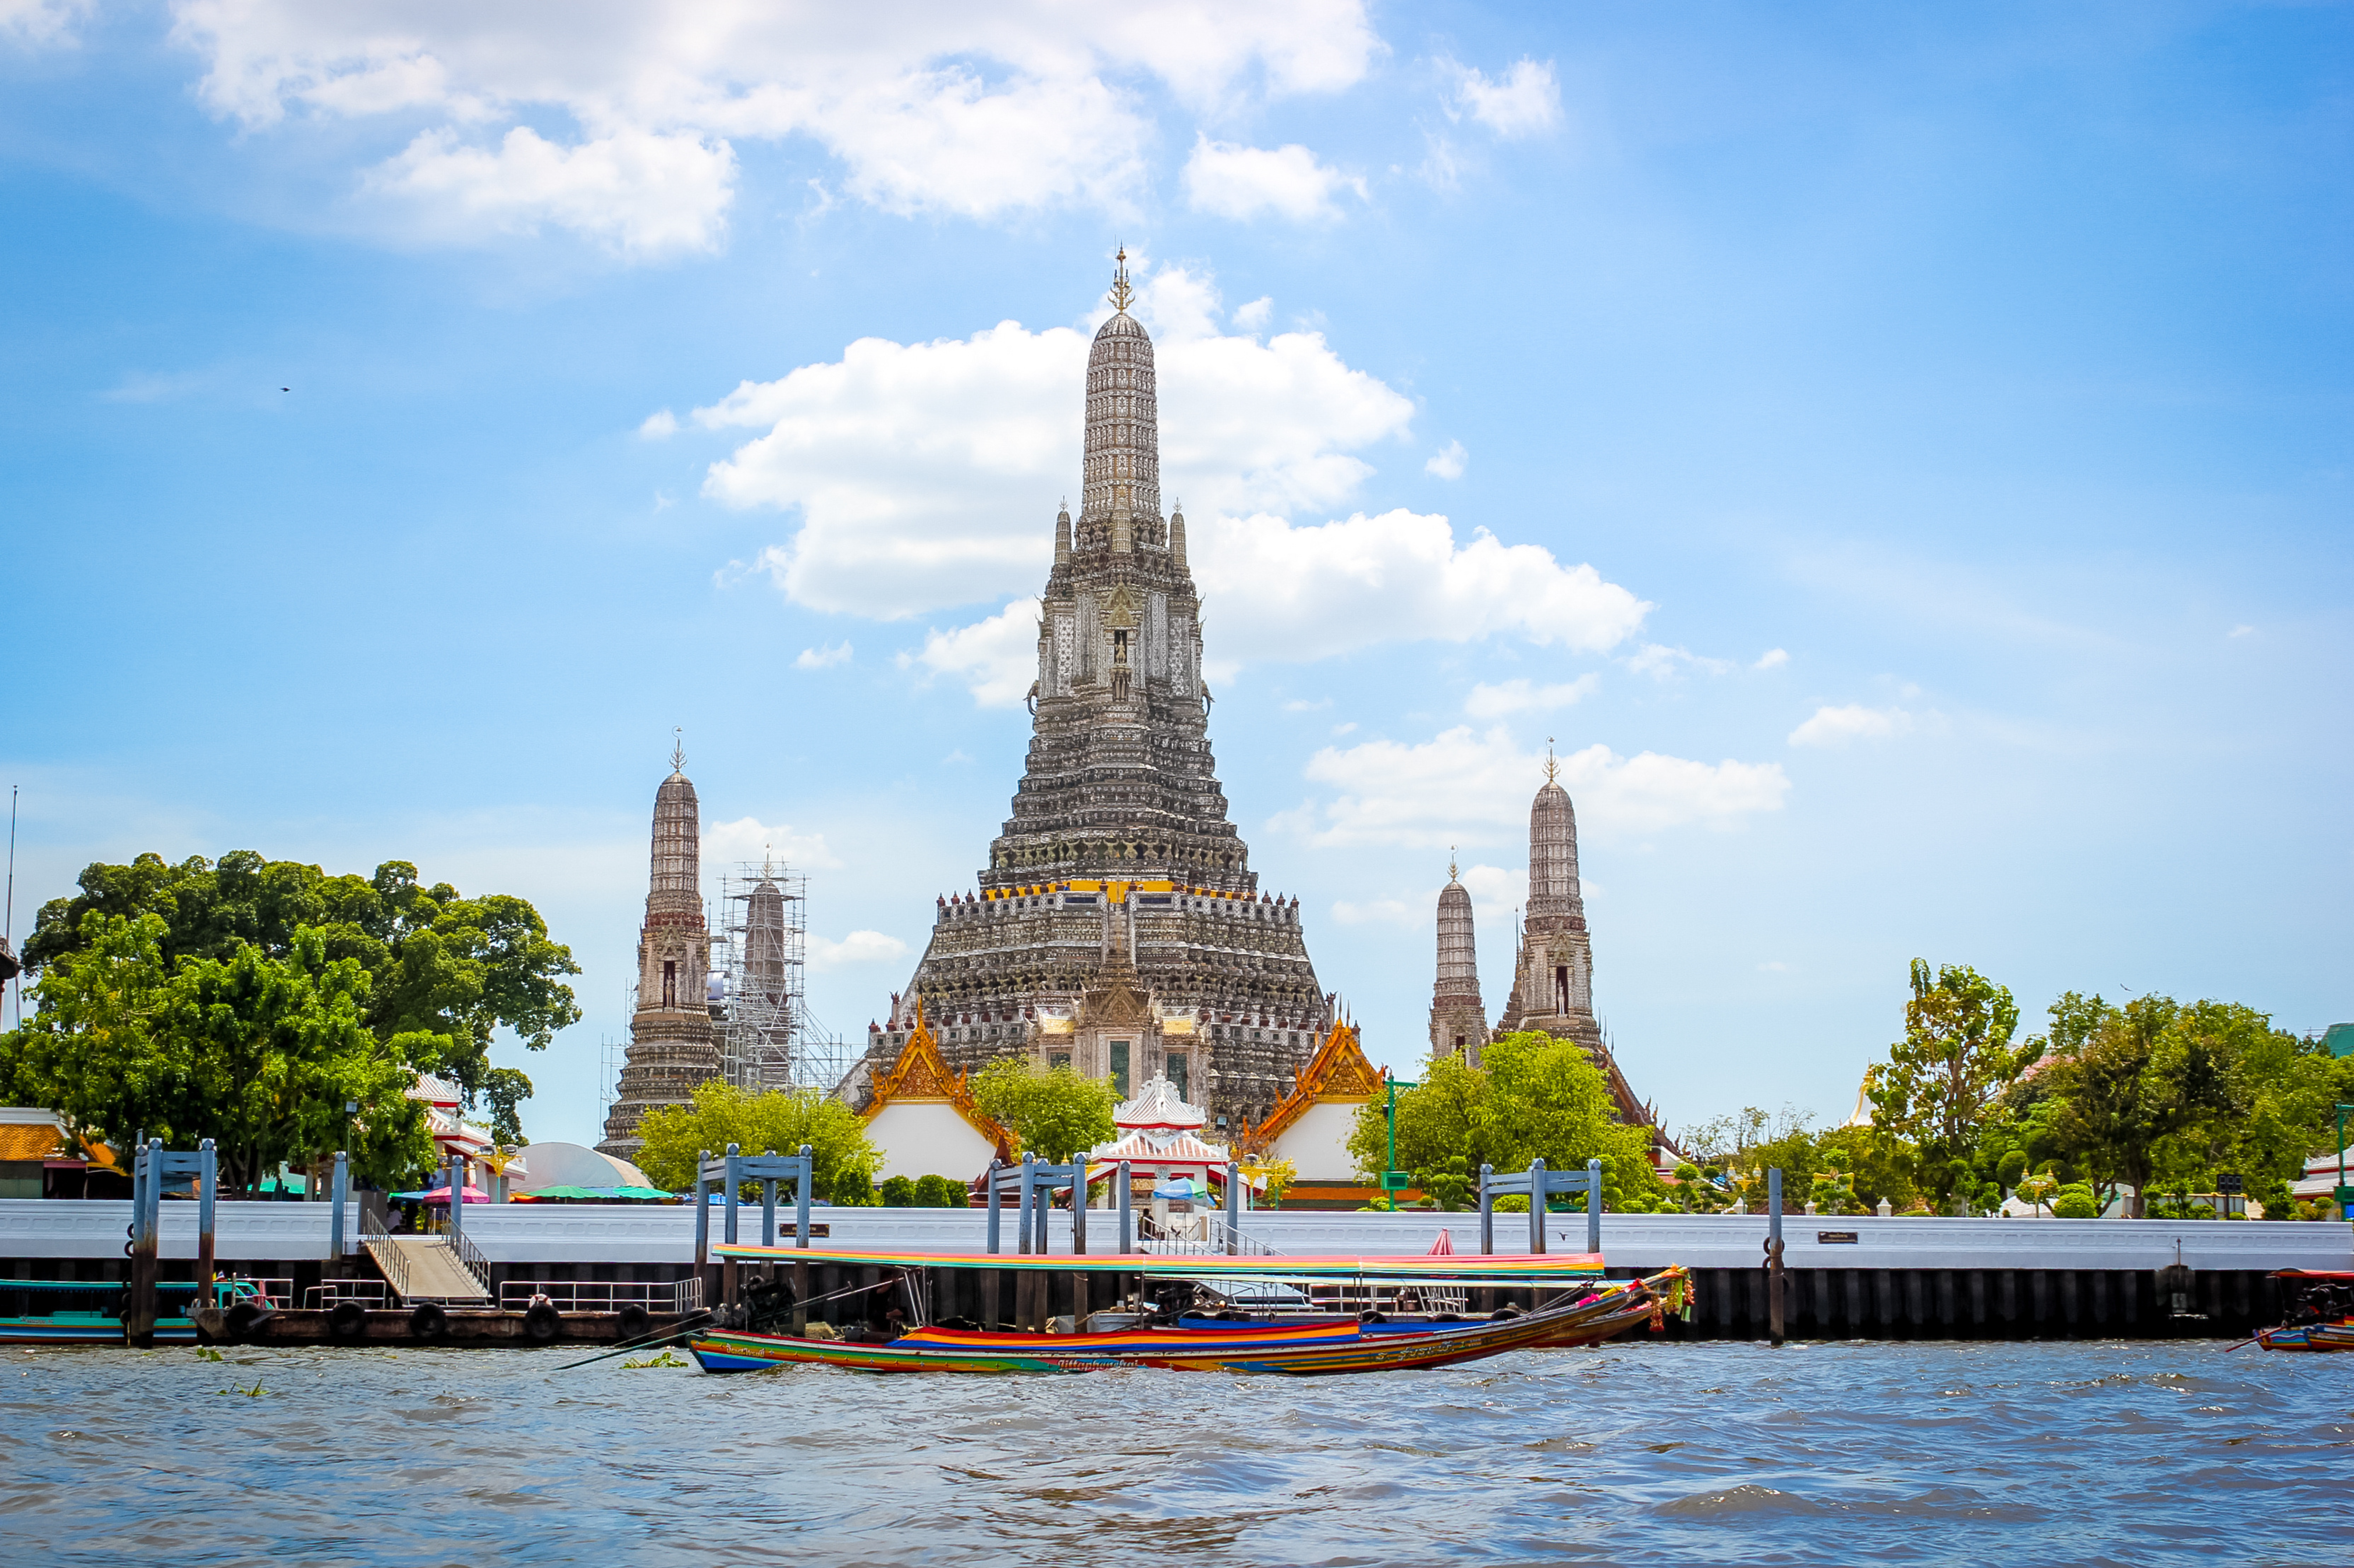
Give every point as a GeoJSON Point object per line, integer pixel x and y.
{"type": "Point", "coordinates": [1640, 1452]}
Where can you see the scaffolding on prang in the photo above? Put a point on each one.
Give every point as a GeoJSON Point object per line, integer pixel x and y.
{"type": "Point", "coordinates": [767, 1037]}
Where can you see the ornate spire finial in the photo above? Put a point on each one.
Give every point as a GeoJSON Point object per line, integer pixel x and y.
{"type": "Point", "coordinates": [1121, 294]}
{"type": "Point", "coordinates": [678, 749]}
{"type": "Point", "coordinates": [1552, 768]}
{"type": "Point", "coordinates": [1452, 876]}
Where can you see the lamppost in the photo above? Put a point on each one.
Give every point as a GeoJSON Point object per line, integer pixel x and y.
{"type": "Point", "coordinates": [1393, 1178]}
{"type": "Point", "coordinates": [2345, 1194]}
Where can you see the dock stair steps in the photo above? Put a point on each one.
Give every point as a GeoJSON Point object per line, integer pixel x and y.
{"type": "Point", "coordinates": [428, 1268]}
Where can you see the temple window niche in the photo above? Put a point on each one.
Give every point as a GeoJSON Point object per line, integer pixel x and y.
{"type": "Point", "coordinates": [1179, 1076]}
{"type": "Point", "coordinates": [1120, 1053]}
{"type": "Point", "coordinates": [670, 982]}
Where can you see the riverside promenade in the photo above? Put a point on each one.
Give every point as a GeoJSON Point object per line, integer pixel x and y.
{"type": "Point", "coordinates": [1848, 1276]}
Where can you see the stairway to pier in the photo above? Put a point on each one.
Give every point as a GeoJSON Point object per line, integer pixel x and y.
{"type": "Point", "coordinates": [426, 1268]}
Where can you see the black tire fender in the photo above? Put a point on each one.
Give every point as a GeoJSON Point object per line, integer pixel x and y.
{"type": "Point", "coordinates": [428, 1322]}
{"type": "Point", "coordinates": [541, 1324]}
{"type": "Point", "coordinates": [241, 1319]}
{"type": "Point", "coordinates": [634, 1319]}
{"type": "Point", "coordinates": [346, 1321]}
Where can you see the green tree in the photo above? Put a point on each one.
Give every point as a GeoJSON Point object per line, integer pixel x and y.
{"type": "Point", "coordinates": [842, 1158]}
{"type": "Point", "coordinates": [1052, 1112]}
{"type": "Point", "coordinates": [258, 1053]}
{"type": "Point", "coordinates": [898, 1193]}
{"type": "Point", "coordinates": [445, 971]}
{"type": "Point", "coordinates": [1533, 1096]}
{"type": "Point", "coordinates": [2144, 1076]}
{"type": "Point", "coordinates": [1941, 1085]}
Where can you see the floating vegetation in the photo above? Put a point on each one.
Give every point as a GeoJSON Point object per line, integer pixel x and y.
{"type": "Point", "coordinates": [206, 1353]}
{"type": "Point", "coordinates": [667, 1359]}
{"type": "Point", "coordinates": [256, 1392]}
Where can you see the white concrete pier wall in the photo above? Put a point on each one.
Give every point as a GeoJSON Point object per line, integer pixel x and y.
{"type": "Point", "coordinates": [551, 1234]}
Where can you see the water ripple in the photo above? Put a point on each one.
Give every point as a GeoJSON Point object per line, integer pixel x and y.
{"type": "Point", "coordinates": [1643, 1452]}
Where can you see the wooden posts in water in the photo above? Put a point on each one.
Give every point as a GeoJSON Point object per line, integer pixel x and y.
{"type": "Point", "coordinates": [1774, 1282]}
{"type": "Point", "coordinates": [1032, 1186]}
{"type": "Point", "coordinates": [339, 1193]}
{"type": "Point", "coordinates": [139, 1303]}
{"type": "Point", "coordinates": [728, 1174]}
{"type": "Point", "coordinates": [208, 1177]}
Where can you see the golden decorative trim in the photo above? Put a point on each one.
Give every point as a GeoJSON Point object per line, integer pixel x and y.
{"type": "Point", "coordinates": [1338, 1072]}
{"type": "Point", "coordinates": [921, 1074]}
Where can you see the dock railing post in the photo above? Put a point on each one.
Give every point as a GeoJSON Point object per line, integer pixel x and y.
{"type": "Point", "coordinates": [454, 1184]}
{"type": "Point", "coordinates": [1594, 1205]}
{"type": "Point", "coordinates": [1774, 1254]}
{"type": "Point", "coordinates": [768, 1207]}
{"type": "Point", "coordinates": [801, 1199]}
{"type": "Point", "coordinates": [1234, 1209]}
{"type": "Point", "coordinates": [1119, 1200]}
{"type": "Point", "coordinates": [208, 1173]}
{"type": "Point", "coordinates": [139, 1303]}
{"type": "Point", "coordinates": [1536, 1205]}
{"type": "Point", "coordinates": [702, 1215]}
{"type": "Point", "coordinates": [1078, 1206]}
{"type": "Point", "coordinates": [1022, 1230]}
{"type": "Point", "coordinates": [1487, 1213]}
{"type": "Point", "coordinates": [339, 1194]}
{"type": "Point", "coordinates": [727, 1266]}
{"type": "Point", "coordinates": [991, 1201]}
{"type": "Point", "coordinates": [802, 1183]}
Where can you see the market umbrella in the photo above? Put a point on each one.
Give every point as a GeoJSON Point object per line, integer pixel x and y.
{"type": "Point", "coordinates": [442, 1195]}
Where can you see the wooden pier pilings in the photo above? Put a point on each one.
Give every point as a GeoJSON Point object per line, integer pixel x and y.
{"type": "Point", "coordinates": [1980, 1304]}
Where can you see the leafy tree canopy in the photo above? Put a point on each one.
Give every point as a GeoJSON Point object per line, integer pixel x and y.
{"type": "Point", "coordinates": [843, 1157]}
{"type": "Point", "coordinates": [1941, 1086]}
{"type": "Point", "coordinates": [1052, 1112]}
{"type": "Point", "coordinates": [444, 971]}
{"type": "Point", "coordinates": [259, 1053]}
{"type": "Point", "coordinates": [1535, 1096]}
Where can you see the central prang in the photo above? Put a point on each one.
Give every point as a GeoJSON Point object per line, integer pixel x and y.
{"type": "Point", "coordinates": [1118, 928]}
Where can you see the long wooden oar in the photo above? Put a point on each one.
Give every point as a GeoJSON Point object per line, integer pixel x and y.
{"type": "Point", "coordinates": [670, 1337]}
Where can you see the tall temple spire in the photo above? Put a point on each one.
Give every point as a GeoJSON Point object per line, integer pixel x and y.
{"type": "Point", "coordinates": [671, 1047]}
{"type": "Point", "coordinates": [1459, 1024]}
{"type": "Point", "coordinates": [1120, 930]}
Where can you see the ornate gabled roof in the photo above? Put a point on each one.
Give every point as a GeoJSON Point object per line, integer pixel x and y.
{"type": "Point", "coordinates": [1338, 1071]}
{"type": "Point", "coordinates": [921, 1074]}
{"type": "Point", "coordinates": [1159, 1106]}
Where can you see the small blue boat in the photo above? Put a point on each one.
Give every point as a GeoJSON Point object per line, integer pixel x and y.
{"type": "Point", "coordinates": [90, 1311]}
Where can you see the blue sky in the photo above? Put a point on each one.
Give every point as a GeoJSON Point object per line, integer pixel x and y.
{"type": "Point", "coordinates": [1902, 459]}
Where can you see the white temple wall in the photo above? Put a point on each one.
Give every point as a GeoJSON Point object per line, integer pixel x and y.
{"type": "Point", "coordinates": [1318, 1143]}
{"type": "Point", "coordinates": [928, 1138]}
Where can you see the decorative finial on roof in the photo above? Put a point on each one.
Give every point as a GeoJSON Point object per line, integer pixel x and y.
{"type": "Point", "coordinates": [678, 749]}
{"type": "Point", "coordinates": [1121, 294]}
{"type": "Point", "coordinates": [1451, 873]}
{"type": "Point", "coordinates": [1552, 768]}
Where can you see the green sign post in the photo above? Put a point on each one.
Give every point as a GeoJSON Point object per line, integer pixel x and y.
{"type": "Point", "coordinates": [1395, 1180]}
{"type": "Point", "coordinates": [2344, 1195]}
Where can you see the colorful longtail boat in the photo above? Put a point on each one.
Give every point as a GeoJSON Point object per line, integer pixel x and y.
{"type": "Point", "coordinates": [2318, 1309]}
{"type": "Point", "coordinates": [1593, 1311]}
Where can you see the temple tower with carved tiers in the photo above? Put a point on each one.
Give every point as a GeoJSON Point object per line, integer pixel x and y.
{"type": "Point", "coordinates": [1117, 926]}
{"type": "Point", "coordinates": [671, 1045]}
{"type": "Point", "coordinates": [1552, 976]}
{"type": "Point", "coordinates": [1458, 1023]}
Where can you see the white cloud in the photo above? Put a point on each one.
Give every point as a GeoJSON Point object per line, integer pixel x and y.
{"type": "Point", "coordinates": [1254, 316]}
{"type": "Point", "coordinates": [1772, 659]}
{"type": "Point", "coordinates": [1349, 728]}
{"type": "Point", "coordinates": [1495, 888]}
{"type": "Point", "coordinates": [997, 658]}
{"type": "Point", "coordinates": [824, 657]}
{"type": "Point", "coordinates": [1463, 786]}
{"type": "Point", "coordinates": [747, 839]}
{"type": "Point", "coordinates": [858, 948]}
{"type": "Point", "coordinates": [1243, 182]}
{"type": "Point", "coordinates": [1276, 591]}
{"type": "Point", "coordinates": [924, 475]}
{"type": "Point", "coordinates": [933, 105]}
{"type": "Point", "coordinates": [1851, 721]}
{"type": "Point", "coordinates": [1524, 102]}
{"type": "Point", "coordinates": [640, 194]}
{"type": "Point", "coordinates": [1664, 663]}
{"type": "Point", "coordinates": [1525, 696]}
{"type": "Point", "coordinates": [660, 426]}
{"type": "Point", "coordinates": [1373, 912]}
{"type": "Point", "coordinates": [1447, 461]}
{"type": "Point", "coordinates": [1774, 966]}
{"type": "Point", "coordinates": [2242, 631]}
{"type": "Point", "coordinates": [38, 22]}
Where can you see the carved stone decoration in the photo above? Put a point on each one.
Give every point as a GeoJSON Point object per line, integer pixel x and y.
{"type": "Point", "coordinates": [672, 1048]}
